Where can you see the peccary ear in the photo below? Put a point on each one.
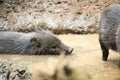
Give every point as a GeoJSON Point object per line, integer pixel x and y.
{"type": "Point", "coordinates": [35, 42]}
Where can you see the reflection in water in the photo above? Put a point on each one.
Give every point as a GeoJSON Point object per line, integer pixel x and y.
{"type": "Point", "coordinates": [86, 56]}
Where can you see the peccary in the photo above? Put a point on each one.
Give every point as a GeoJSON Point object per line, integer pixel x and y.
{"type": "Point", "coordinates": [38, 42]}
{"type": "Point", "coordinates": [109, 30]}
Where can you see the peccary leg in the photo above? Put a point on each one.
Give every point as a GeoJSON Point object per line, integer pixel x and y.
{"type": "Point", "coordinates": [105, 51]}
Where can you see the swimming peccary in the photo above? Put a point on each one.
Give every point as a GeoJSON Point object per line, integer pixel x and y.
{"type": "Point", "coordinates": [109, 30]}
{"type": "Point", "coordinates": [39, 42]}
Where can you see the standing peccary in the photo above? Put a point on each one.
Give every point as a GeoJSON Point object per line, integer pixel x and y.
{"type": "Point", "coordinates": [39, 42]}
{"type": "Point", "coordinates": [109, 30]}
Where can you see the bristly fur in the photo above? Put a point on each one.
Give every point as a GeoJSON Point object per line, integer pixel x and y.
{"type": "Point", "coordinates": [39, 42]}
{"type": "Point", "coordinates": [109, 30]}
{"type": "Point", "coordinates": [109, 26]}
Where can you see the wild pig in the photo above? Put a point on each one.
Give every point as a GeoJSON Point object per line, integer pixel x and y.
{"type": "Point", "coordinates": [39, 42]}
{"type": "Point", "coordinates": [109, 30]}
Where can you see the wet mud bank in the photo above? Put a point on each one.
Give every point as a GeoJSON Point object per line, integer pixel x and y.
{"type": "Point", "coordinates": [86, 57]}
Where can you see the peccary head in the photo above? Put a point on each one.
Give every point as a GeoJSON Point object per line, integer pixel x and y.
{"type": "Point", "coordinates": [46, 43]}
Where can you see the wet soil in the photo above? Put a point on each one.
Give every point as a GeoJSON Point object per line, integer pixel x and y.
{"type": "Point", "coordinates": [86, 56]}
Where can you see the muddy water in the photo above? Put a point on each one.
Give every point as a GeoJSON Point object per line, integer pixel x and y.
{"type": "Point", "coordinates": [86, 56]}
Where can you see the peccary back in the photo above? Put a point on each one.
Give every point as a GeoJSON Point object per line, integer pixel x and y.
{"type": "Point", "coordinates": [109, 30]}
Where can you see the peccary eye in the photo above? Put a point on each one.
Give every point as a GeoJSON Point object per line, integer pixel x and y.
{"type": "Point", "coordinates": [54, 47]}
{"type": "Point", "coordinates": [38, 45]}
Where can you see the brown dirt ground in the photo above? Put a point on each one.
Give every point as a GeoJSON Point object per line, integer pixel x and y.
{"type": "Point", "coordinates": [86, 56]}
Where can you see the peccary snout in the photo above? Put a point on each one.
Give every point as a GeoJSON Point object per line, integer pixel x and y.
{"type": "Point", "coordinates": [70, 51]}
{"type": "Point", "coordinates": [66, 50]}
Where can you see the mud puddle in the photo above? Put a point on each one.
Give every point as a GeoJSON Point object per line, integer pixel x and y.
{"type": "Point", "coordinates": [86, 56]}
